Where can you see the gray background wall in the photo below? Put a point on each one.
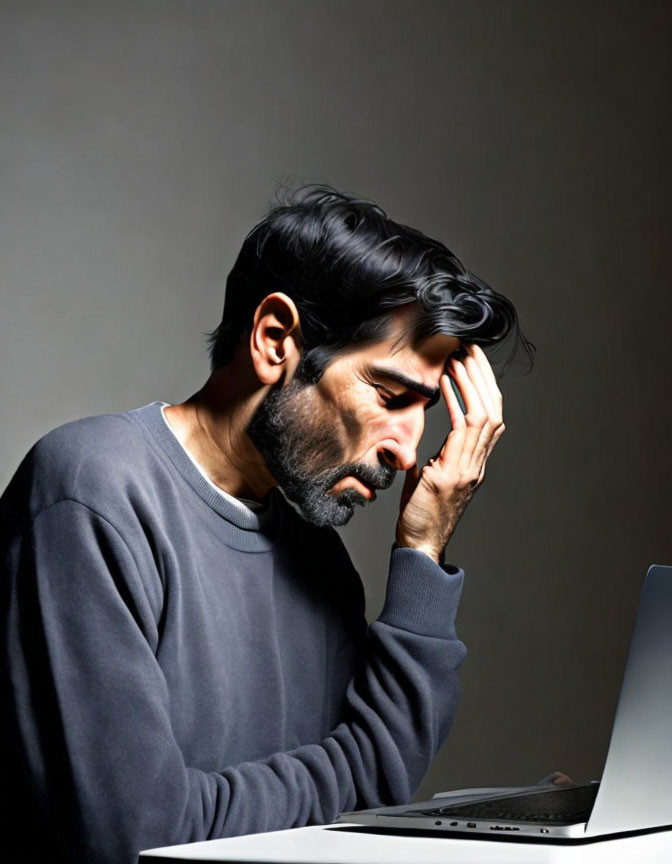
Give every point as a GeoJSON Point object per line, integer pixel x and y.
{"type": "Point", "coordinates": [140, 141]}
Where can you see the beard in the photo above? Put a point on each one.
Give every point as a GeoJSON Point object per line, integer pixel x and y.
{"type": "Point", "coordinates": [304, 452]}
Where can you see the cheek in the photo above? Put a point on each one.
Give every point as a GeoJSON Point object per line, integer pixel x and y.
{"type": "Point", "coordinates": [366, 428]}
{"type": "Point", "coordinates": [321, 431]}
{"type": "Point", "coordinates": [360, 421]}
{"type": "Point", "coordinates": [362, 416]}
{"type": "Point", "coordinates": [352, 426]}
{"type": "Point", "coordinates": [342, 414]}
{"type": "Point", "coordinates": [352, 414]}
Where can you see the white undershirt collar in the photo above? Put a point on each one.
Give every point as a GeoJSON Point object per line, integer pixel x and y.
{"type": "Point", "coordinates": [256, 506]}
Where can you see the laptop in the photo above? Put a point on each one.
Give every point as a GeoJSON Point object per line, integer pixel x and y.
{"type": "Point", "coordinates": [635, 792]}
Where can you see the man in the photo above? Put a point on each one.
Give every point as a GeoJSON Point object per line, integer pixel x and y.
{"type": "Point", "coordinates": [185, 651]}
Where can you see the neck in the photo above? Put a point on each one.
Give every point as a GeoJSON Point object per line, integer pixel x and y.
{"type": "Point", "coordinates": [212, 425]}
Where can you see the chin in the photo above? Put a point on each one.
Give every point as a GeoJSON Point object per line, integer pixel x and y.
{"type": "Point", "coordinates": [346, 503]}
{"type": "Point", "coordinates": [329, 509]}
{"type": "Point", "coordinates": [351, 497]}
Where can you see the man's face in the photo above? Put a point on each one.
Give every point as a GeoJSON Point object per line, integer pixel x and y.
{"type": "Point", "coordinates": [331, 444]}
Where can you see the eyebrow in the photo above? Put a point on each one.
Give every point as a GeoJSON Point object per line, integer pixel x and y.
{"type": "Point", "coordinates": [431, 393]}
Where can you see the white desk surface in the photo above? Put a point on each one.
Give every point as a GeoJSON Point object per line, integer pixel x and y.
{"type": "Point", "coordinates": [319, 845]}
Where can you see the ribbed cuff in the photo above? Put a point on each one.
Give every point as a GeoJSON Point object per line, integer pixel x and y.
{"type": "Point", "coordinates": [422, 596]}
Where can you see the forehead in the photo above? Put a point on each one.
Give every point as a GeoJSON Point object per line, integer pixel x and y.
{"type": "Point", "coordinates": [399, 350]}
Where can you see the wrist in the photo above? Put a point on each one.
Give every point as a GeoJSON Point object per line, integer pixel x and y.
{"type": "Point", "coordinates": [419, 547]}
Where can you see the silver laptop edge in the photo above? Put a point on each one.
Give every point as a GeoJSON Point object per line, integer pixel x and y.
{"type": "Point", "coordinates": [636, 788]}
{"type": "Point", "coordinates": [398, 817]}
{"type": "Point", "coordinates": [635, 792]}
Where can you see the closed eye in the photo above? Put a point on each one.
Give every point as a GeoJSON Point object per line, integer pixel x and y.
{"type": "Point", "coordinates": [401, 400]}
{"type": "Point", "coordinates": [412, 389]}
{"type": "Point", "coordinates": [385, 396]}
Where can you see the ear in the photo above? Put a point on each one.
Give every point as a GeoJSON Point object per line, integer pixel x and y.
{"type": "Point", "coordinates": [275, 340]}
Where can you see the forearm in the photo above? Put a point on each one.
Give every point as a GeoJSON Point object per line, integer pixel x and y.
{"type": "Point", "coordinates": [99, 743]}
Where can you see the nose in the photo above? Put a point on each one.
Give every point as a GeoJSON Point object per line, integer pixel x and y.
{"type": "Point", "coordinates": [399, 449]}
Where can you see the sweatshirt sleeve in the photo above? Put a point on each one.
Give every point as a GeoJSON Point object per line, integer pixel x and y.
{"type": "Point", "coordinates": [88, 704]}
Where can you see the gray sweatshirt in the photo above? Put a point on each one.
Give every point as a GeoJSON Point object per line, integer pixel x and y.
{"type": "Point", "coordinates": [173, 670]}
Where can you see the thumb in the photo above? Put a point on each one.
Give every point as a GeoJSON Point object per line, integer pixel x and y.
{"type": "Point", "coordinates": [410, 482]}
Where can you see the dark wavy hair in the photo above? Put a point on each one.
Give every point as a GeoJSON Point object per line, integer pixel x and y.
{"type": "Point", "coordinates": [345, 265]}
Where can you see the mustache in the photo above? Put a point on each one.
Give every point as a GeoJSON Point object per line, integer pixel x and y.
{"type": "Point", "coordinates": [374, 476]}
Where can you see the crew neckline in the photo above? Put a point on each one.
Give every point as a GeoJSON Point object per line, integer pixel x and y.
{"type": "Point", "coordinates": [152, 419]}
{"type": "Point", "coordinates": [254, 506]}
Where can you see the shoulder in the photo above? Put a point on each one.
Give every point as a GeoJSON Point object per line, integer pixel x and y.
{"type": "Point", "coordinates": [84, 460]}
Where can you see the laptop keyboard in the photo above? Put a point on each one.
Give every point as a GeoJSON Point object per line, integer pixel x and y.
{"type": "Point", "coordinates": [559, 807]}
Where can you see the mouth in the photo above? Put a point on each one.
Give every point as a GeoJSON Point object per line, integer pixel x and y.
{"type": "Point", "coordinates": [359, 486]}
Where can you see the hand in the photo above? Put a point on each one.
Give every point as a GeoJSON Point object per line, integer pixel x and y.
{"type": "Point", "coordinates": [434, 498]}
{"type": "Point", "coordinates": [556, 778]}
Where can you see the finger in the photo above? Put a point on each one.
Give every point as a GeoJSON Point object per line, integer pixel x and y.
{"type": "Point", "coordinates": [491, 445]}
{"type": "Point", "coordinates": [479, 382]}
{"type": "Point", "coordinates": [489, 437]}
{"type": "Point", "coordinates": [476, 416]}
{"type": "Point", "coordinates": [556, 778]}
{"type": "Point", "coordinates": [454, 409]}
{"type": "Point", "coordinates": [493, 406]}
{"type": "Point", "coordinates": [451, 450]}
{"type": "Point", "coordinates": [484, 461]}
{"type": "Point", "coordinates": [410, 482]}
{"type": "Point", "coordinates": [559, 778]}
{"type": "Point", "coordinates": [479, 357]}
{"type": "Point", "coordinates": [495, 438]}
{"type": "Point", "coordinates": [470, 396]}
